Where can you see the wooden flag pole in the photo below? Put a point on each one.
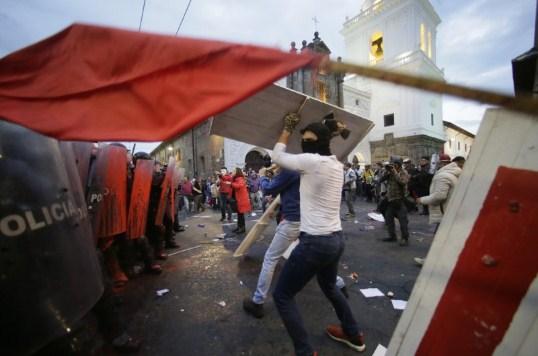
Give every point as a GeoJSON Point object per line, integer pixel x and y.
{"type": "Point", "coordinates": [523, 104]}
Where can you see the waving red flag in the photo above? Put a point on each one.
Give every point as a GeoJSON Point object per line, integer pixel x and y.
{"type": "Point", "coordinates": [104, 84]}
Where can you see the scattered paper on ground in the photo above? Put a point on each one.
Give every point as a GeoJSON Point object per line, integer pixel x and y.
{"type": "Point", "coordinates": [380, 350]}
{"type": "Point", "coordinates": [162, 292]}
{"type": "Point", "coordinates": [372, 292]}
{"type": "Point", "coordinates": [201, 216]}
{"type": "Point", "coordinates": [222, 303]}
{"type": "Point", "coordinates": [376, 217]}
{"type": "Point", "coordinates": [399, 304]}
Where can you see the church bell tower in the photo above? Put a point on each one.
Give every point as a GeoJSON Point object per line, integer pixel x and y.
{"type": "Point", "coordinates": [397, 35]}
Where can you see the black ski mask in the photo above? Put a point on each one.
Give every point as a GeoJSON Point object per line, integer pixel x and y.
{"type": "Point", "coordinates": [322, 145]}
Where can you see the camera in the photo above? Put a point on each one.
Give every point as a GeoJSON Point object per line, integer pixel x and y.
{"type": "Point", "coordinates": [267, 161]}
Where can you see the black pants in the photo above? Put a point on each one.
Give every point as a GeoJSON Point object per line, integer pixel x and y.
{"type": "Point", "coordinates": [241, 220]}
{"type": "Point", "coordinates": [225, 206]}
{"type": "Point", "coordinates": [396, 209]}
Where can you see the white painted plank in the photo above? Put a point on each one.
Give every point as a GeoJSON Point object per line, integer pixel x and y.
{"type": "Point", "coordinates": [505, 139]}
{"type": "Point", "coordinates": [258, 120]}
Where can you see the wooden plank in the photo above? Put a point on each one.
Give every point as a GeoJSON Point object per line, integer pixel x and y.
{"type": "Point", "coordinates": [258, 229]}
{"type": "Point", "coordinates": [504, 138]}
{"type": "Point", "coordinates": [493, 272]}
{"type": "Point", "coordinates": [258, 120]}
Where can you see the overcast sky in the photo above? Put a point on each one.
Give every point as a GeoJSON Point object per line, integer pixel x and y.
{"type": "Point", "coordinates": [477, 39]}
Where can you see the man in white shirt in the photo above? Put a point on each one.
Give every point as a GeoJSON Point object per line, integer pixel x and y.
{"type": "Point", "coordinates": [321, 242]}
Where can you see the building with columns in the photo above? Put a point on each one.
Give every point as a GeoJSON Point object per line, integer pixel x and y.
{"type": "Point", "coordinates": [397, 35]}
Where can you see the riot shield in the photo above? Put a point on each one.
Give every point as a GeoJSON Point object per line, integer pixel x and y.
{"type": "Point", "coordinates": [49, 272]}
{"type": "Point", "coordinates": [164, 198]}
{"type": "Point", "coordinates": [83, 154]}
{"type": "Point", "coordinates": [170, 176]}
{"type": "Point", "coordinates": [139, 202]}
{"type": "Point", "coordinates": [108, 185]}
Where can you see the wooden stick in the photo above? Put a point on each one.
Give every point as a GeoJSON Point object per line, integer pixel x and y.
{"type": "Point", "coordinates": [302, 105]}
{"type": "Point", "coordinates": [523, 104]}
{"type": "Point", "coordinates": [257, 229]}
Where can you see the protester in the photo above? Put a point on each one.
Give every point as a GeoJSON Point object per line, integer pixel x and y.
{"type": "Point", "coordinates": [186, 193]}
{"type": "Point", "coordinates": [286, 183]}
{"type": "Point", "coordinates": [240, 194]}
{"type": "Point", "coordinates": [253, 189]}
{"type": "Point", "coordinates": [379, 184]}
{"type": "Point", "coordinates": [367, 181]}
{"type": "Point", "coordinates": [225, 190]}
{"type": "Point", "coordinates": [321, 242]}
{"type": "Point", "coordinates": [198, 196]}
{"type": "Point", "coordinates": [215, 202]}
{"type": "Point", "coordinates": [267, 198]}
{"type": "Point", "coordinates": [349, 188]}
{"type": "Point", "coordinates": [441, 189]}
{"type": "Point", "coordinates": [422, 181]}
{"type": "Point", "coordinates": [397, 179]}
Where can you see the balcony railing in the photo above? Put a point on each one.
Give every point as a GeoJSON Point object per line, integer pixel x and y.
{"type": "Point", "coordinates": [371, 11]}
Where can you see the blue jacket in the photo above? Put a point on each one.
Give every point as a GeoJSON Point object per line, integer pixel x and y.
{"type": "Point", "coordinates": [286, 183]}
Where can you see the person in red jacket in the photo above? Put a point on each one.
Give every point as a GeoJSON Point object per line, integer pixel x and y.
{"type": "Point", "coordinates": [240, 192]}
{"type": "Point", "coordinates": [225, 190]}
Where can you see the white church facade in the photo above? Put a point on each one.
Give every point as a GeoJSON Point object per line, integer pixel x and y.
{"type": "Point", "coordinates": [397, 35]}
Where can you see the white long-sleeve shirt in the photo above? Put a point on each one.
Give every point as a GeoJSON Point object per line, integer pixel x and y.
{"type": "Point", "coordinates": [320, 189]}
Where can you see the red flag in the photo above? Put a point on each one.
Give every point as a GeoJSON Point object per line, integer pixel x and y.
{"type": "Point", "coordinates": [103, 84]}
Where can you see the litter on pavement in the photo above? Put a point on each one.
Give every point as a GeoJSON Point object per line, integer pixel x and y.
{"type": "Point", "coordinates": [372, 292]}
{"type": "Point", "coordinates": [399, 304]}
{"type": "Point", "coordinates": [162, 292]}
{"type": "Point", "coordinates": [222, 303]}
{"type": "Point", "coordinates": [376, 217]}
{"type": "Point", "coordinates": [380, 350]}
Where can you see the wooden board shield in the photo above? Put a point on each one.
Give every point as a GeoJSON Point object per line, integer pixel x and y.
{"type": "Point", "coordinates": [139, 203]}
{"type": "Point", "coordinates": [258, 120]}
{"type": "Point", "coordinates": [478, 285]}
{"type": "Point", "coordinates": [109, 178]}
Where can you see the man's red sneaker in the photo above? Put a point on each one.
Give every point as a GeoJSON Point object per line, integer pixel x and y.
{"type": "Point", "coordinates": [335, 332]}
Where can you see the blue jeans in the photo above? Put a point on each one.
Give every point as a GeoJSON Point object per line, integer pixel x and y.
{"type": "Point", "coordinates": [225, 206]}
{"type": "Point", "coordinates": [314, 256]}
{"type": "Point", "coordinates": [286, 232]}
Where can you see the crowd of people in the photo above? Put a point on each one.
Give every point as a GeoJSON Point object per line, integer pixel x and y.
{"type": "Point", "coordinates": [312, 186]}
{"type": "Point", "coordinates": [136, 204]}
